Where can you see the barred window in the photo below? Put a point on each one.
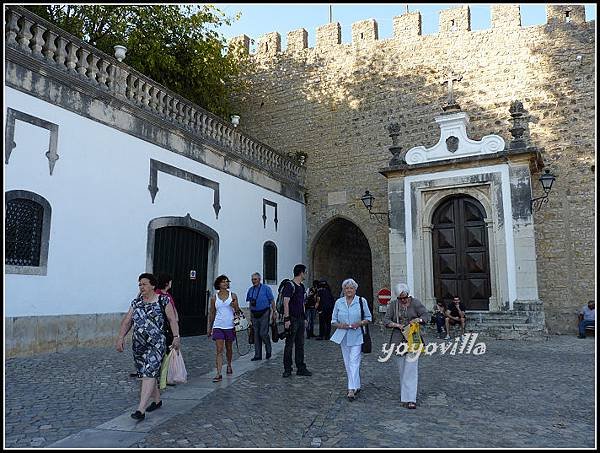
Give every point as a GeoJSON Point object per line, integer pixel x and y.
{"type": "Point", "coordinates": [270, 263]}
{"type": "Point", "coordinates": [27, 233]}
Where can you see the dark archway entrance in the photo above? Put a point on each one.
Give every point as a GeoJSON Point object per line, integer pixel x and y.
{"type": "Point", "coordinates": [460, 252]}
{"type": "Point", "coordinates": [183, 253]}
{"type": "Point", "coordinates": [342, 251]}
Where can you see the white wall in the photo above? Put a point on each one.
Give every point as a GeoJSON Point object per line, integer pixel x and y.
{"type": "Point", "coordinates": [101, 208]}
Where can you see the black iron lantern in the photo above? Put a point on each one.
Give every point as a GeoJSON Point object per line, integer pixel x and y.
{"type": "Point", "coordinates": [547, 179]}
{"type": "Point", "coordinates": [367, 200]}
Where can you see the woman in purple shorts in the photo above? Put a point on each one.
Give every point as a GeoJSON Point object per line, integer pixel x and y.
{"type": "Point", "coordinates": [223, 305]}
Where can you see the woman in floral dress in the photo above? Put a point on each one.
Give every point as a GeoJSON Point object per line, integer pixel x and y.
{"type": "Point", "coordinates": [147, 317]}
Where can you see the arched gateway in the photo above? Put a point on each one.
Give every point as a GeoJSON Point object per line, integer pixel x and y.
{"type": "Point", "coordinates": [341, 250]}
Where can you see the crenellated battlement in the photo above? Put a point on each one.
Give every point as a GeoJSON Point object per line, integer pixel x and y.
{"type": "Point", "coordinates": [452, 21]}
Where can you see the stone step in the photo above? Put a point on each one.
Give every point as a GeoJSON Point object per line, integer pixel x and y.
{"type": "Point", "coordinates": [493, 319]}
{"type": "Point", "coordinates": [505, 326]}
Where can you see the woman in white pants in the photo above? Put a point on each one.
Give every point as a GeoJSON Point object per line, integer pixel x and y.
{"type": "Point", "coordinates": [348, 321]}
{"type": "Point", "coordinates": [403, 311]}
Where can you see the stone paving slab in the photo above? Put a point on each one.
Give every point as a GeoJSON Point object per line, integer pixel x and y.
{"type": "Point", "coordinates": [100, 438]}
{"type": "Point", "coordinates": [124, 422]}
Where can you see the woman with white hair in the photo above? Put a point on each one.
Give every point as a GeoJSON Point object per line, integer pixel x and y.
{"type": "Point", "coordinates": [347, 319]}
{"type": "Point", "coordinates": [403, 311]}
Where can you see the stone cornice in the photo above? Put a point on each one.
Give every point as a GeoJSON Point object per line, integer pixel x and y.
{"type": "Point", "coordinates": [531, 154]}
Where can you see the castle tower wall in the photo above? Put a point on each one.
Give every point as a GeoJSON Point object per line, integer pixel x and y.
{"type": "Point", "coordinates": [334, 102]}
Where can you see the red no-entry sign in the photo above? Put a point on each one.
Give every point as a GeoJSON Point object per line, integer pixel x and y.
{"type": "Point", "coordinates": [383, 296]}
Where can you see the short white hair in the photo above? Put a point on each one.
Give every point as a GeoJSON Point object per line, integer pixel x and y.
{"type": "Point", "coordinates": [257, 274]}
{"type": "Point", "coordinates": [402, 288]}
{"type": "Point", "coordinates": [349, 282]}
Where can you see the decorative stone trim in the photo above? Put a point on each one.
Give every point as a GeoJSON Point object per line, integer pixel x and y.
{"type": "Point", "coordinates": [42, 269]}
{"type": "Point", "coordinates": [264, 216]}
{"type": "Point", "coordinates": [9, 140]}
{"type": "Point", "coordinates": [454, 142]}
{"type": "Point", "coordinates": [156, 166]}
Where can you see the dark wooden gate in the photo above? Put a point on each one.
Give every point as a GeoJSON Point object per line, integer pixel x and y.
{"type": "Point", "coordinates": [180, 252]}
{"type": "Point", "coordinates": [460, 253]}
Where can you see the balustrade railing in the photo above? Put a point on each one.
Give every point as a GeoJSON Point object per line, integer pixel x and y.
{"type": "Point", "coordinates": [30, 34]}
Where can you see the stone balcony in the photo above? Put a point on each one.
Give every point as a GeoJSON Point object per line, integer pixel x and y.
{"type": "Point", "coordinates": [35, 44]}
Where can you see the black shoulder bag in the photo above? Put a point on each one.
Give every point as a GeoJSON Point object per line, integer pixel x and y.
{"type": "Point", "coordinates": [366, 345]}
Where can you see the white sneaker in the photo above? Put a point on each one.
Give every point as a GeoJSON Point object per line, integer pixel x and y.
{"type": "Point", "coordinates": [447, 337]}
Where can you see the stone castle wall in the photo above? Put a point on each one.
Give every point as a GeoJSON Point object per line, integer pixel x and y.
{"type": "Point", "coordinates": [334, 102]}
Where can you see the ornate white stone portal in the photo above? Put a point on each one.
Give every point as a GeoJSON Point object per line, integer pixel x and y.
{"type": "Point", "coordinates": [454, 142]}
{"type": "Point", "coordinates": [461, 225]}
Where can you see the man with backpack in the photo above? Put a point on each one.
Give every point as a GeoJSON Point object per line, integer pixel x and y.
{"type": "Point", "coordinates": [294, 322]}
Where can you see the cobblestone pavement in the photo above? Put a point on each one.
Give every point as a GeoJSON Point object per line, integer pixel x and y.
{"type": "Point", "coordinates": [517, 394]}
{"type": "Point", "coordinates": [50, 396]}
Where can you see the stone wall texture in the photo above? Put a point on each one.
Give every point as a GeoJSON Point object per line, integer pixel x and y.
{"type": "Point", "coordinates": [335, 101]}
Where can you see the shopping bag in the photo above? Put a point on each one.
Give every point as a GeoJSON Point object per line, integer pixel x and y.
{"type": "Point", "coordinates": [177, 373]}
{"type": "Point", "coordinates": [240, 322]}
{"type": "Point", "coordinates": [164, 369]}
{"type": "Point", "coordinates": [413, 337]}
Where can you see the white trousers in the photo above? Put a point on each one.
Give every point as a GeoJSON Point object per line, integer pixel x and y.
{"type": "Point", "coordinates": [409, 378]}
{"type": "Point", "coordinates": [352, 356]}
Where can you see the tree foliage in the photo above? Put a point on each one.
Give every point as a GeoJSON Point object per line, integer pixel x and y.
{"type": "Point", "coordinates": [178, 46]}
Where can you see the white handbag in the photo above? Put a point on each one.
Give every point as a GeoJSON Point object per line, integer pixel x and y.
{"type": "Point", "coordinates": [240, 322]}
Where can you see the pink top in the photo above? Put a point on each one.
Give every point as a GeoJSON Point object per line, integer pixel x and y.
{"type": "Point", "coordinates": [171, 300]}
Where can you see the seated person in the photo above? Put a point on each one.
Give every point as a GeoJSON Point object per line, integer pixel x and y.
{"type": "Point", "coordinates": [455, 314]}
{"type": "Point", "coordinates": [587, 317]}
{"type": "Point", "coordinates": [439, 318]}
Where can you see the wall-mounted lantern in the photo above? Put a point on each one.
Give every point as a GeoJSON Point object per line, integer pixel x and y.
{"type": "Point", "coordinates": [547, 179]}
{"type": "Point", "coordinates": [367, 200]}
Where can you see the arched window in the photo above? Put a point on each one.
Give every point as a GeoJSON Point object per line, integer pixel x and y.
{"type": "Point", "coordinates": [27, 233]}
{"type": "Point", "coordinates": [270, 263]}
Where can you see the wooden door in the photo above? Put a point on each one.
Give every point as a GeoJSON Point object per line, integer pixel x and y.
{"type": "Point", "coordinates": [460, 253]}
{"type": "Point", "coordinates": [183, 254]}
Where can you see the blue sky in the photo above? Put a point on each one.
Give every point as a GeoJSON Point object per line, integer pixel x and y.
{"type": "Point", "coordinates": [258, 19]}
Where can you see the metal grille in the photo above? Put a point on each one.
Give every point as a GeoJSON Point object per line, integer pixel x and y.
{"type": "Point", "coordinates": [23, 238]}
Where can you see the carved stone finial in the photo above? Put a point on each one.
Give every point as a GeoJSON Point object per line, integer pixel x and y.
{"type": "Point", "coordinates": [394, 130]}
{"type": "Point", "coordinates": [516, 108]}
{"type": "Point", "coordinates": [519, 121]}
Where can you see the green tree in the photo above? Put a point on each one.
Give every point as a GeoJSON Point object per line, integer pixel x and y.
{"type": "Point", "coordinates": [176, 45]}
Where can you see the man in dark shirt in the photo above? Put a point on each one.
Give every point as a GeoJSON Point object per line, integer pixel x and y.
{"type": "Point", "coordinates": [454, 315]}
{"type": "Point", "coordinates": [294, 322]}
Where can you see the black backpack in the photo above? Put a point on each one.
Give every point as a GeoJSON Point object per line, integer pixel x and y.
{"type": "Point", "coordinates": [279, 302]}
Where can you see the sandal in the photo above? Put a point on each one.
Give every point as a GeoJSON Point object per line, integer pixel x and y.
{"type": "Point", "coordinates": [351, 395]}
{"type": "Point", "coordinates": [411, 405]}
{"type": "Point", "coordinates": [229, 370]}
{"type": "Point", "coordinates": [218, 378]}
